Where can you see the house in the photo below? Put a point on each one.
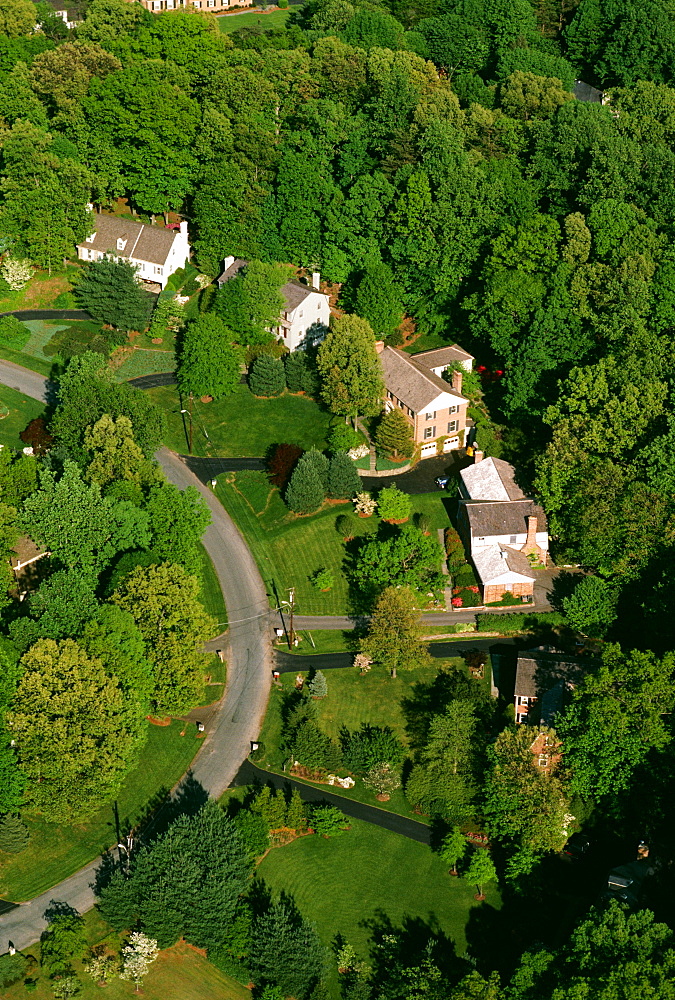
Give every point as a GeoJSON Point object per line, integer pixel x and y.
{"type": "Point", "coordinates": [503, 531]}
{"type": "Point", "coordinates": [440, 358]}
{"type": "Point", "coordinates": [546, 750]}
{"type": "Point", "coordinates": [435, 409]}
{"type": "Point", "coordinates": [155, 251]}
{"type": "Point", "coordinates": [544, 678]}
{"type": "Point", "coordinates": [306, 310]}
{"type": "Point", "coordinates": [210, 6]}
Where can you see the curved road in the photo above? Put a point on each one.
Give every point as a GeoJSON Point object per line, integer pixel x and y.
{"type": "Point", "coordinates": [239, 715]}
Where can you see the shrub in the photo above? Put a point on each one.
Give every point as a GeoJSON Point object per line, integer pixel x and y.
{"type": "Point", "coordinates": [393, 504]}
{"type": "Point", "coordinates": [17, 273]}
{"type": "Point", "coordinates": [12, 969]}
{"type": "Point", "coordinates": [281, 461]}
{"type": "Point", "coordinates": [254, 832]}
{"type": "Point", "coordinates": [329, 821]}
{"type": "Point", "coordinates": [513, 623]}
{"type": "Point", "coordinates": [343, 479]}
{"type": "Point", "coordinates": [14, 834]}
{"type": "Point", "coordinates": [13, 333]}
{"type": "Point", "coordinates": [465, 576]}
{"type": "Point", "coordinates": [423, 522]}
{"type": "Point", "coordinates": [267, 376]}
{"type": "Point", "coordinates": [342, 437]}
{"type": "Point", "coordinates": [323, 579]}
{"type": "Point", "coordinates": [454, 550]}
{"type": "Point", "coordinates": [364, 503]}
{"type": "Point", "coordinates": [282, 4]}
{"type": "Point", "coordinates": [191, 287]}
{"type": "Point", "coordinates": [347, 526]}
{"type": "Point", "coordinates": [382, 779]}
{"type": "Point", "coordinates": [36, 436]}
{"type": "Point", "coordinates": [318, 685]}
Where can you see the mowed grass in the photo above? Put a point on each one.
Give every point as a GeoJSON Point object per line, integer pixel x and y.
{"type": "Point", "coordinates": [56, 851]}
{"type": "Point", "coordinates": [241, 425]}
{"type": "Point", "coordinates": [211, 595]}
{"type": "Point", "coordinates": [16, 411]}
{"type": "Point", "coordinates": [179, 973]}
{"type": "Point", "coordinates": [344, 884]}
{"type": "Point", "coordinates": [253, 19]}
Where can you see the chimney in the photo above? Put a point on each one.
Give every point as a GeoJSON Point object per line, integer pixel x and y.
{"type": "Point", "coordinates": [316, 278]}
{"type": "Point", "coordinates": [477, 457]}
{"type": "Point", "coordinates": [228, 262]}
{"type": "Point", "coordinates": [457, 380]}
{"type": "Point", "coordinates": [531, 540]}
{"type": "Point", "coordinates": [183, 228]}
{"type": "Point", "coordinates": [379, 346]}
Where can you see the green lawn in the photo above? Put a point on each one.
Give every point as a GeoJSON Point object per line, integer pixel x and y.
{"type": "Point", "coordinates": [322, 641]}
{"type": "Point", "coordinates": [345, 883]}
{"type": "Point", "coordinates": [41, 292]}
{"type": "Point", "coordinates": [179, 973]}
{"type": "Point", "coordinates": [145, 361]}
{"type": "Point", "coordinates": [427, 342]}
{"type": "Point", "coordinates": [55, 851]}
{"type": "Point", "coordinates": [16, 411]}
{"type": "Point", "coordinates": [242, 425]}
{"type": "Point", "coordinates": [253, 19]}
{"type": "Point", "coordinates": [40, 353]}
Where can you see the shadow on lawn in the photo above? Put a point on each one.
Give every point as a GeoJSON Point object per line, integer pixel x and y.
{"type": "Point", "coordinates": [393, 949]}
{"type": "Point", "coordinates": [432, 698]}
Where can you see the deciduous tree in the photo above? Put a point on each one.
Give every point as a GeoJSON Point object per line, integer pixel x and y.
{"type": "Point", "coordinates": [209, 365]}
{"type": "Point", "coordinates": [350, 368]}
{"type": "Point", "coordinates": [393, 637]}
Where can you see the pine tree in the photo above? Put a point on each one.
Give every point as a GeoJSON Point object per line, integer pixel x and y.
{"type": "Point", "coordinates": [394, 435]}
{"type": "Point", "coordinates": [344, 481]}
{"type": "Point", "coordinates": [14, 834]}
{"type": "Point", "coordinates": [296, 814]}
{"type": "Point", "coordinates": [117, 901]}
{"type": "Point", "coordinates": [108, 290]}
{"type": "Point", "coordinates": [267, 376]}
{"type": "Point", "coordinates": [286, 950]}
{"type": "Point", "coordinates": [318, 685]}
{"type": "Point", "coordinates": [318, 461]}
{"type": "Point", "coordinates": [296, 366]}
{"type": "Point", "coordinates": [305, 492]}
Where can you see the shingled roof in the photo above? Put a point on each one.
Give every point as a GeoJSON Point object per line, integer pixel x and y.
{"type": "Point", "coordinates": [442, 356]}
{"type": "Point", "coordinates": [294, 292]}
{"type": "Point", "coordinates": [494, 561]}
{"type": "Point", "coordinates": [491, 479]}
{"type": "Point", "coordinates": [147, 243]}
{"type": "Point", "coordinates": [507, 518]}
{"type": "Point", "coordinates": [539, 671]}
{"type": "Point", "coordinates": [412, 383]}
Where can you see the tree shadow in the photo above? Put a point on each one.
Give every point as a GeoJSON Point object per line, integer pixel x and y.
{"type": "Point", "coordinates": [564, 585]}
{"type": "Point", "coordinates": [395, 948]}
{"type": "Point", "coordinates": [433, 697]}
{"type": "Point", "coordinates": [59, 908]}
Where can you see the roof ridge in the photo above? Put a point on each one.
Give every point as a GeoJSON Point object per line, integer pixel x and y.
{"type": "Point", "coordinates": [427, 374]}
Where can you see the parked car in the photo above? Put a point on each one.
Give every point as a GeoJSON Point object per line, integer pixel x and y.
{"type": "Point", "coordinates": [577, 846]}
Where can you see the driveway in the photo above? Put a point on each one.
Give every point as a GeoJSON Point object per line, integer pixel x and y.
{"type": "Point", "coordinates": [25, 381]}
{"type": "Point", "coordinates": [288, 663]}
{"type": "Point", "coordinates": [421, 479]}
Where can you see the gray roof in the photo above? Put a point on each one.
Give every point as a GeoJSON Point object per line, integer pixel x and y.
{"type": "Point", "coordinates": [540, 671]}
{"type": "Point", "coordinates": [491, 479]}
{"type": "Point", "coordinates": [295, 293]}
{"type": "Point", "coordinates": [584, 92]}
{"type": "Point", "coordinates": [508, 518]}
{"type": "Point", "coordinates": [230, 271]}
{"type": "Point", "coordinates": [495, 560]}
{"type": "Point", "coordinates": [411, 382]}
{"type": "Point", "coordinates": [148, 243]}
{"type": "Point", "coordinates": [442, 356]}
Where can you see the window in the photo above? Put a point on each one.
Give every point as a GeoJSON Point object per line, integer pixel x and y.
{"type": "Point", "coordinates": [169, 4]}
{"type": "Point", "coordinates": [452, 426]}
{"type": "Point", "coordinates": [429, 432]}
{"type": "Point", "coordinates": [90, 239]}
{"type": "Point", "coordinates": [409, 411]}
{"type": "Point", "coordinates": [156, 5]}
{"type": "Point", "coordinates": [389, 395]}
{"type": "Point", "coordinates": [430, 416]}
{"type": "Point", "coordinates": [513, 539]}
{"type": "Point", "coordinates": [453, 409]}
{"type": "Point", "coordinates": [121, 243]}
{"type": "Point", "coordinates": [482, 540]}
{"type": "Point", "coordinates": [158, 270]}
{"type": "Point", "coordinates": [196, 3]}
{"type": "Point", "coordinates": [543, 760]}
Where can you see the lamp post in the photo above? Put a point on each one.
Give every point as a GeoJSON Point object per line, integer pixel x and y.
{"type": "Point", "coordinates": [190, 413]}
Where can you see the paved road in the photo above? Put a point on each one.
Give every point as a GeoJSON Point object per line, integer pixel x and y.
{"type": "Point", "coordinates": [431, 618]}
{"type": "Point", "coordinates": [287, 663]}
{"type": "Point", "coordinates": [25, 381]}
{"type": "Point", "coordinates": [207, 469]}
{"type": "Point", "coordinates": [49, 314]}
{"type": "Point", "coordinates": [410, 828]}
{"type": "Point", "coordinates": [153, 381]}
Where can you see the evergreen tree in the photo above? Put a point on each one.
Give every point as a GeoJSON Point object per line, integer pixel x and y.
{"type": "Point", "coordinates": [208, 363]}
{"type": "Point", "coordinates": [315, 749]}
{"type": "Point", "coordinates": [108, 289]}
{"type": "Point", "coordinates": [305, 492]}
{"type": "Point", "coordinates": [286, 950]}
{"type": "Point", "coordinates": [296, 813]}
{"type": "Point", "coordinates": [318, 685]}
{"type": "Point", "coordinates": [394, 435]}
{"type": "Point", "coordinates": [344, 481]}
{"type": "Point", "coordinates": [14, 834]}
{"type": "Point", "coordinates": [298, 371]}
{"type": "Point", "coordinates": [378, 299]}
{"type": "Point", "coordinates": [319, 462]}
{"type": "Point", "coordinates": [267, 376]}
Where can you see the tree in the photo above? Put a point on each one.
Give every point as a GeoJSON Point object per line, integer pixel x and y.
{"type": "Point", "coordinates": [394, 435]}
{"type": "Point", "coordinates": [60, 608]}
{"type": "Point", "coordinates": [343, 437]}
{"type": "Point", "coordinates": [378, 300]}
{"type": "Point", "coordinates": [66, 987]}
{"type": "Point", "coordinates": [300, 373]}
{"type": "Point", "coordinates": [101, 967]}
{"type": "Point", "coordinates": [305, 492]}
{"type": "Point", "coordinates": [115, 456]}
{"type": "Point", "coordinates": [393, 637]}
{"type": "Point", "coordinates": [267, 377]}
{"type": "Point", "coordinates": [77, 737]}
{"type": "Point", "coordinates": [481, 870]}
{"type": "Point", "coordinates": [347, 526]}
{"type": "Point", "coordinates": [350, 368]}
{"type": "Point", "coordinates": [442, 782]}
{"type": "Point", "coordinates": [364, 748]}
{"type": "Point", "coordinates": [453, 848]}
{"type": "Point", "coordinates": [63, 940]}
{"type": "Point", "coordinates": [108, 289]}
{"type": "Point", "coordinates": [81, 528]}
{"type": "Point", "coordinates": [164, 603]}
{"type": "Point", "coordinates": [318, 685]}
{"type": "Point", "coordinates": [178, 519]}
{"type": "Point", "coordinates": [407, 558]}
{"type": "Point", "coordinates": [17, 17]}
{"type": "Point", "coordinates": [168, 314]}
{"type": "Point", "coordinates": [12, 969]}
{"type": "Point", "coordinates": [281, 462]}
{"type": "Point", "coordinates": [286, 950]}
{"type": "Point", "coordinates": [618, 715]}
{"type": "Point", "coordinates": [527, 96]}
{"type": "Point", "coordinates": [208, 363]}
{"type": "Point", "coordinates": [61, 76]}
{"type": "Point", "coordinates": [591, 608]}
{"type": "Point", "coordinates": [16, 272]}
{"type": "Point", "coordinates": [343, 479]}
{"type": "Point", "coordinates": [251, 302]}
{"type": "Point", "coordinates": [14, 834]}
{"type": "Point", "coordinates": [328, 821]}
{"type": "Point", "coordinates": [382, 779]}
{"type": "Point", "coordinates": [393, 504]}
{"type": "Point", "coordinates": [137, 957]}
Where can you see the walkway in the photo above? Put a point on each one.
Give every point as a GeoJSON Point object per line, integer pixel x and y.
{"type": "Point", "coordinates": [410, 828]}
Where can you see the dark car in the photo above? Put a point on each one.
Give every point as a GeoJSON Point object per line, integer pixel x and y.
{"type": "Point", "coordinates": [442, 481]}
{"type": "Point", "coordinates": [577, 846]}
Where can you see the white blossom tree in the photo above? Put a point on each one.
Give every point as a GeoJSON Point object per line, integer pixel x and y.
{"type": "Point", "coordinates": [137, 957]}
{"type": "Point", "coordinates": [17, 273]}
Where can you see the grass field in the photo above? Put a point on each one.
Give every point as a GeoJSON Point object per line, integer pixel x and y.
{"type": "Point", "coordinates": [253, 19]}
{"type": "Point", "coordinates": [16, 411]}
{"type": "Point", "coordinates": [40, 353]}
{"type": "Point", "coordinates": [346, 884]}
{"type": "Point", "coordinates": [40, 292]}
{"type": "Point", "coordinates": [242, 425]}
{"type": "Point", "coordinates": [179, 973]}
{"type": "Point", "coordinates": [56, 851]}
{"type": "Point", "coordinates": [142, 361]}
{"type": "Point", "coordinates": [323, 641]}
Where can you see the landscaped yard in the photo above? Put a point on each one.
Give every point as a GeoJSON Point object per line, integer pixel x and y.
{"type": "Point", "coordinates": [44, 291]}
{"type": "Point", "coordinates": [344, 884]}
{"type": "Point", "coordinates": [179, 973]}
{"type": "Point", "coordinates": [41, 352]}
{"type": "Point", "coordinates": [55, 851]}
{"type": "Point", "coordinates": [135, 361]}
{"type": "Point", "coordinates": [16, 411]}
{"type": "Point", "coordinates": [253, 19]}
{"type": "Point", "coordinates": [241, 425]}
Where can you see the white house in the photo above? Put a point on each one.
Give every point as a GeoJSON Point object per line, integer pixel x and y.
{"type": "Point", "coordinates": [500, 528]}
{"type": "Point", "coordinates": [156, 252]}
{"type": "Point", "coordinates": [306, 309]}
{"type": "Point", "coordinates": [440, 358]}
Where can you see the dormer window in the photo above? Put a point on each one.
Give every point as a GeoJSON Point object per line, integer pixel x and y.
{"type": "Point", "coordinates": [121, 243]}
{"type": "Point", "coordinates": [91, 237]}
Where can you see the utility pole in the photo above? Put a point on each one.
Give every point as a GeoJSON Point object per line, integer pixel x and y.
{"type": "Point", "coordinates": [291, 633]}
{"type": "Point", "coordinates": [190, 447]}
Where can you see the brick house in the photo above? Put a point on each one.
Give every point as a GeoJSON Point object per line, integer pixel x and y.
{"type": "Point", "coordinates": [156, 252]}
{"type": "Point", "coordinates": [435, 409]}
{"type": "Point", "coordinates": [306, 309]}
{"type": "Point", "coordinates": [501, 528]}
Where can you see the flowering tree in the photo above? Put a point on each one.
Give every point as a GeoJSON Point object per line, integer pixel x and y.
{"type": "Point", "coordinates": [17, 273]}
{"type": "Point", "coordinates": [137, 957]}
